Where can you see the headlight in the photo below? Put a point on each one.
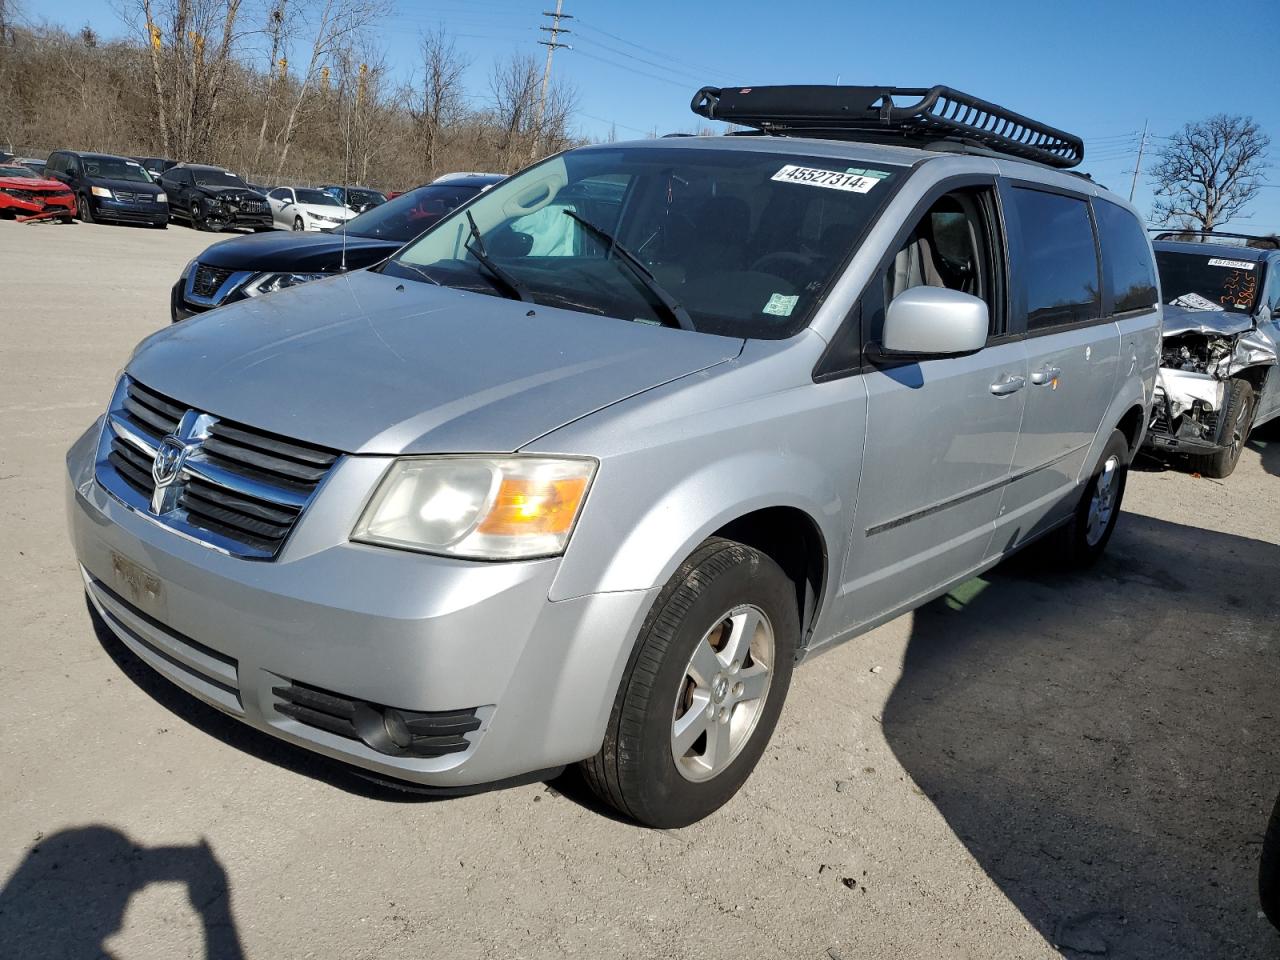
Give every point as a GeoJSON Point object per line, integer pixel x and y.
{"type": "Point", "coordinates": [102, 192]}
{"type": "Point", "coordinates": [187, 269]}
{"type": "Point", "coordinates": [162, 198]}
{"type": "Point", "coordinates": [482, 508]}
{"type": "Point", "coordinates": [271, 282]}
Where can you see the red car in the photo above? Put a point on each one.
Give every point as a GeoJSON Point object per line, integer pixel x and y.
{"type": "Point", "coordinates": [28, 196]}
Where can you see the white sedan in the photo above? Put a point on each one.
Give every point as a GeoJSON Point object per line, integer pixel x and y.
{"type": "Point", "coordinates": [302, 208]}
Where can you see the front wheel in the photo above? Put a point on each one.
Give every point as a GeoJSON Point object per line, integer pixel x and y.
{"type": "Point", "coordinates": [85, 211]}
{"type": "Point", "coordinates": [1269, 869]}
{"type": "Point", "coordinates": [298, 225]}
{"type": "Point", "coordinates": [1239, 414]}
{"type": "Point", "coordinates": [197, 217]}
{"type": "Point", "coordinates": [1085, 538]}
{"type": "Point", "coordinates": [703, 690]}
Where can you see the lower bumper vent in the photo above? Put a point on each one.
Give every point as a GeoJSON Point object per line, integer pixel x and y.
{"type": "Point", "coordinates": [389, 730]}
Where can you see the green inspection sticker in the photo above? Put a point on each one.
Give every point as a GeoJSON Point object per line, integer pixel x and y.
{"type": "Point", "coordinates": [873, 174]}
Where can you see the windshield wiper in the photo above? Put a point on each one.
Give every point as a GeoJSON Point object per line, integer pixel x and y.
{"type": "Point", "coordinates": [514, 287]}
{"type": "Point", "coordinates": [678, 313]}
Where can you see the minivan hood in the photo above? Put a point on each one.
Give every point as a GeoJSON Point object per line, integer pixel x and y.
{"type": "Point", "coordinates": [366, 363]}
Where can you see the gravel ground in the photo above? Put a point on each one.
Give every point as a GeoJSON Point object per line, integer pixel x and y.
{"type": "Point", "coordinates": [1031, 767]}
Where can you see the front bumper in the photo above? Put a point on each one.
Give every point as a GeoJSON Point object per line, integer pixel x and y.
{"type": "Point", "coordinates": [41, 206]}
{"type": "Point", "coordinates": [1186, 414]}
{"type": "Point", "coordinates": [153, 214]}
{"type": "Point", "coordinates": [392, 628]}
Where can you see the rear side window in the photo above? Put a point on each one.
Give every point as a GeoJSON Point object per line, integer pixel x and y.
{"type": "Point", "coordinates": [1130, 272]}
{"type": "Point", "coordinates": [1058, 266]}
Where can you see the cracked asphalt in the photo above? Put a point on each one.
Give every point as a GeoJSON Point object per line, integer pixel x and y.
{"type": "Point", "coordinates": [1037, 765]}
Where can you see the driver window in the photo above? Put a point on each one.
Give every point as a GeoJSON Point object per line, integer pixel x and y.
{"type": "Point", "coordinates": [949, 247]}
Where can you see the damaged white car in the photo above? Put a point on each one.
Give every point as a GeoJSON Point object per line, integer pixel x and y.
{"type": "Point", "coordinates": [1218, 377]}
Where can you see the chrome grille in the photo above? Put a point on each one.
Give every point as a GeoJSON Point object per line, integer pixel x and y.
{"type": "Point", "coordinates": [124, 196]}
{"type": "Point", "coordinates": [208, 279]}
{"type": "Point", "coordinates": [252, 206]}
{"type": "Point", "coordinates": [235, 487]}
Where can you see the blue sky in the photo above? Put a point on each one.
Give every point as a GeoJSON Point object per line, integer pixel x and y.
{"type": "Point", "coordinates": [1095, 68]}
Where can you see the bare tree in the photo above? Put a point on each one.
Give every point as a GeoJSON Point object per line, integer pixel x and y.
{"type": "Point", "coordinates": [337, 25]}
{"type": "Point", "coordinates": [436, 102]}
{"type": "Point", "coordinates": [278, 24]}
{"type": "Point", "coordinates": [1209, 171]}
{"type": "Point", "coordinates": [192, 50]}
{"type": "Point", "coordinates": [526, 132]}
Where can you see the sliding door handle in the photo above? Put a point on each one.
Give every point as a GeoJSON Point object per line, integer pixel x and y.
{"type": "Point", "coordinates": [1045, 375]}
{"type": "Point", "coordinates": [1007, 385]}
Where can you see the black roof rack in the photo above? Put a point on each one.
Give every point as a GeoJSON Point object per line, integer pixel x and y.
{"type": "Point", "coordinates": [869, 113]}
{"type": "Point", "coordinates": [1257, 243]}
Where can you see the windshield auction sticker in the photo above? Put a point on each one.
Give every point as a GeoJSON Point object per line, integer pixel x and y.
{"type": "Point", "coordinates": [1231, 264]}
{"type": "Point", "coordinates": [853, 181]}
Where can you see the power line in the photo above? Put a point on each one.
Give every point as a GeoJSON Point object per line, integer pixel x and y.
{"type": "Point", "coordinates": [632, 70]}
{"type": "Point", "coordinates": [702, 67]}
{"type": "Point", "coordinates": [696, 75]}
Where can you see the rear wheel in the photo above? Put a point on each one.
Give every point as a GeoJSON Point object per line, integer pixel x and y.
{"type": "Point", "coordinates": [1084, 539]}
{"type": "Point", "coordinates": [704, 688]}
{"type": "Point", "coordinates": [1239, 415]}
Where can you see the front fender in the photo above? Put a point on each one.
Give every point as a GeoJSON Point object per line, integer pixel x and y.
{"type": "Point", "coordinates": [679, 462]}
{"type": "Point", "coordinates": [622, 545]}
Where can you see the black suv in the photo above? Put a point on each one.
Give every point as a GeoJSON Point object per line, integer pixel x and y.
{"type": "Point", "coordinates": [211, 198]}
{"type": "Point", "coordinates": [156, 166]}
{"type": "Point", "coordinates": [251, 266]}
{"type": "Point", "coordinates": [109, 187]}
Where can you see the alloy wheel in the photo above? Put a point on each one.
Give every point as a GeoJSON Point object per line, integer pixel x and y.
{"type": "Point", "coordinates": [1102, 504]}
{"type": "Point", "coordinates": [722, 693]}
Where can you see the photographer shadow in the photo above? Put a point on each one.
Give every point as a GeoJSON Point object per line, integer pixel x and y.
{"type": "Point", "coordinates": [1104, 743]}
{"type": "Point", "coordinates": [71, 891]}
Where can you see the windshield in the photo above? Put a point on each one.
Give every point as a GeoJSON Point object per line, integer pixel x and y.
{"type": "Point", "coordinates": [1205, 282]}
{"type": "Point", "coordinates": [745, 241]}
{"type": "Point", "coordinates": [406, 216]}
{"type": "Point", "coordinates": [21, 172]}
{"type": "Point", "coordinates": [113, 168]}
{"type": "Point", "coordinates": [217, 178]}
{"type": "Point", "coordinates": [318, 197]}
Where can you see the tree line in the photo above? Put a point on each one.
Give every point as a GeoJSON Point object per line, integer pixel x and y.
{"type": "Point", "coordinates": [283, 91]}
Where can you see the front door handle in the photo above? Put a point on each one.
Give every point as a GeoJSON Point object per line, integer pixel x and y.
{"type": "Point", "coordinates": [1045, 375]}
{"type": "Point", "coordinates": [1007, 385]}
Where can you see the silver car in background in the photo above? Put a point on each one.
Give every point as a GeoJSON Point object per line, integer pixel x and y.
{"type": "Point", "coordinates": [582, 472]}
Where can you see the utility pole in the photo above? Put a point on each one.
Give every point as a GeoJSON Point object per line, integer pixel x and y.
{"type": "Point", "coordinates": [552, 45]}
{"type": "Point", "coordinates": [1137, 167]}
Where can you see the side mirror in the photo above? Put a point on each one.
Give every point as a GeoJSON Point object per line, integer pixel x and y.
{"type": "Point", "coordinates": [931, 322]}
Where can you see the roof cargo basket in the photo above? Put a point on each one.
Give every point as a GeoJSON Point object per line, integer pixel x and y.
{"type": "Point", "coordinates": [870, 113]}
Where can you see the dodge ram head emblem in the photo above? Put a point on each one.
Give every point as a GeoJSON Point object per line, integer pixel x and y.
{"type": "Point", "coordinates": [170, 456]}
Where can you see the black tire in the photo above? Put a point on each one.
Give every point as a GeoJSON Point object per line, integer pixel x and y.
{"type": "Point", "coordinates": [196, 217]}
{"type": "Point", "coordinates": [1081, 544]}
{"type": "Point", "coordinates": [1269, 869]}
{"type": "Point", "coordinates": [85, 211]}
{"type": "Point", "coordinates": [635, 771]}
{"type": "Point", "coordinates": [67, 219]}
{"type": "Point", "coordinates": [1238, 421]}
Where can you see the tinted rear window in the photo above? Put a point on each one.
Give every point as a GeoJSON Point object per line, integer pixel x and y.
{"type": "Point", "coordinates": [1126, 255]}
{"type": "Point", "coordinates": [1058, 266]}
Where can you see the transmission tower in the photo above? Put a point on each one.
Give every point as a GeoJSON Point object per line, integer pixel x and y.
{"type": "Point", "coordinates": [552, 44]}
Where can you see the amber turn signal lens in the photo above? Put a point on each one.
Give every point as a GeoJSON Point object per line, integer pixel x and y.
{"type": "Point", "coordinates": [527, 505]}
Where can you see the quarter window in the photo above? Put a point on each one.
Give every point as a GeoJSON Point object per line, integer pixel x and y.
{"type": "Point", "coordinates": [1058, 265]}
{"type": "Point", "coordinates": [1130, 271]}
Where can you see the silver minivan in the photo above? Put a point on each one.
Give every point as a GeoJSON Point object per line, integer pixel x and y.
{"type": "Point", "coordinates": [583, 471]}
